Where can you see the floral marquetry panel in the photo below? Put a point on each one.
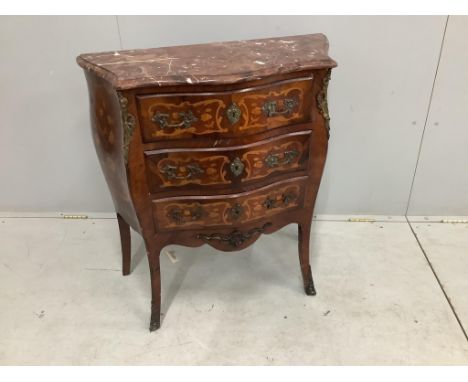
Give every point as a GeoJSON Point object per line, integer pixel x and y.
{"type": "Point", "coordinates": [212, 144]}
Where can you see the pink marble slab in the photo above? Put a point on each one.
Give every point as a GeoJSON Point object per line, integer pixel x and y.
{"type": "Point", "coordinates": [214, 63]}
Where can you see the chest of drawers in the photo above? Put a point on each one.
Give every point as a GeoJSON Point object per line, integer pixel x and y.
{"type": "Point", "coordinates": [211, 144]}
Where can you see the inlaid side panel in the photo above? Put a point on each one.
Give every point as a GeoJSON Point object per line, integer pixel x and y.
{"type": "Point", "coordinates": [231, 167]}
{"type": "Point", "coordinates": [227, 210]}
{"type": "Point", "coordinates": [247, 111]}
{"type": "Point", "coordinates": [108, 119]}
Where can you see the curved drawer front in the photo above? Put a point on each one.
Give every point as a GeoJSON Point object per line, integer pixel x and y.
{"type": "Point", "coordinates": [228, 210]}
{"type": "Point", "coordinates": [246, 111]}
{"type": "Point", "coordinates": [174, 169]}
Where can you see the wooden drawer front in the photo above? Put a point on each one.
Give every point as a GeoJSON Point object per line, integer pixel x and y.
{"type": "Point", "coordinates": [227, 210]}
{"type": "Point", "coordinates": [247, 111]}
{"type": "Point", "coordinates": [231, 166]}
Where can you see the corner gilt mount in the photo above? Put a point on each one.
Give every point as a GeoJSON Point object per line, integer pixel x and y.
{"type": "Point", "coordinates": [128, 122]}
{"type": "Point", "coordinates": [322, 101]}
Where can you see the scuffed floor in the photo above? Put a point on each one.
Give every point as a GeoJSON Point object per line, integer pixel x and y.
{"type": "Point", "coordinates": [63, 299]}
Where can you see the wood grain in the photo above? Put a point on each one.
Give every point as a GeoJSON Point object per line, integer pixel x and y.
{"type": "Point", "coordinates": [210, 109]}
{"type": "Point", "coordinates": [175, 185]}
{"type": "Point", "coordinates": [173, 169]}
{"type": "Point", "coordinates": [182, 213]}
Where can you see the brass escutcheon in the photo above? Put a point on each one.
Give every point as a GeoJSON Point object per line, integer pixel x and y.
{"type": "Point", "coordinates": [236, 167]}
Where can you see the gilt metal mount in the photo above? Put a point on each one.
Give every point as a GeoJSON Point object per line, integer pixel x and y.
{"type": "Point", "coordinates": [233, 113]}
{"type": "Point", "coordinates": [273, 160]}
{"type": "Point", "coordinates": [128, 123]}
{"type": "Point", "coordinates": [187, 118]}
{"type": "Point", "coordinates": [235, 238]}
{"type": "Point", "coordinates": [236, 167]}
{"type": "Point", "coordinates": [193, 170]}
{"type": "Point", "coordinates": [270, 108]}
{"type": "Point", "coordinates": [322, 101]}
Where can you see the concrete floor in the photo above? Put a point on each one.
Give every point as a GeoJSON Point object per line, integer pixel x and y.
{"type": "Point", "coordinates": [63, 299]}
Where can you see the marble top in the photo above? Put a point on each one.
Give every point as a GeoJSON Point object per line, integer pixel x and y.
{"type": "Point", "coordinates": [214, 63]}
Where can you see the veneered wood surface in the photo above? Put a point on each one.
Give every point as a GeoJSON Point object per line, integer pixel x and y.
{"type": "Point", "coordinates": [210, 111]}
{"type": "Point", "coordinates": [254, 203]}
{"type": "Point", "coordinates": [228, 210]}
{"type": "Point", "coordinates": [214, 174]}
{"type": "Point", "coordinates": [107, 132]}
{"type": "Point", "coordinates": [215, 63]}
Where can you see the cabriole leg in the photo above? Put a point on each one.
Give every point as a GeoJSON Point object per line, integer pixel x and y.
{"type": "Point", "coordinates": [125, 241]}
{"type": "Point", "coordinates": [153, 259]}
{"type": "Point", "coordinates": [304, 239]}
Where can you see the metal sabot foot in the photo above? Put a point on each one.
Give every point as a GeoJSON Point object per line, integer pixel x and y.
{"type": "Point", "coordinates": [310, 288]}
{"type": "Point", "coordinates": [155, 324]}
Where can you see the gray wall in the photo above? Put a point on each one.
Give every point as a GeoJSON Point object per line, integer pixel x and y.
{"type": "Point", "coordinates": [380, 96]}
{"type": "Point", "coordinates": [441, 181]}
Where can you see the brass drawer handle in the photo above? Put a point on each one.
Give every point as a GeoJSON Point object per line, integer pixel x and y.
{"type": "Point", "coordinates": [193, 170]}
{"type": "Point", "coordinates": [270, 107]}
{"type": "Point", "coordinates": [163, 120]}
{"type": "Point", "coordinates": [236, 167]}
{"type": "Point", "coordinates": [234, 238]}
{"type": "Point", "coordinates": [288, 198]}
{"type": "Point", "coordinates": [178, 215]}
{"type": "Point", "coordinates": [271, 203]}
{"type": "Point", "coordinates": [273, 160]}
